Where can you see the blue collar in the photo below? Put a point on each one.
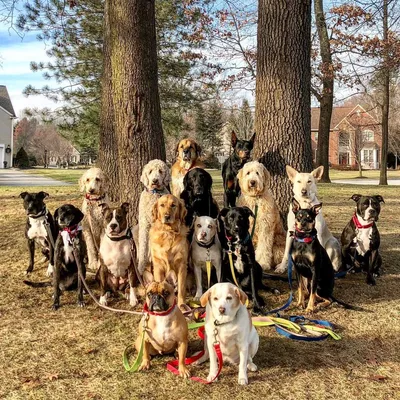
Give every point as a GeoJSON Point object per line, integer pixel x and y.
{"type": "Point", "coordinates": [157, 191]}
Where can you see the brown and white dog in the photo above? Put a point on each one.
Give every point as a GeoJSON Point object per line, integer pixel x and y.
{"type": "Point", "coordinates": [117, 271]}
{"type": "Point", "coordinates": [94, 185]}
{"type": "Point", "coordinates": [188, 153]}
{"type": "Point", "coordinates": [169, 245]}
{"type": "Point", "coordinates": [165, 326]}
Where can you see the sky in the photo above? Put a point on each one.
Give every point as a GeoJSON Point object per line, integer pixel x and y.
{"type": "Point", "coordinates": [16, 53]}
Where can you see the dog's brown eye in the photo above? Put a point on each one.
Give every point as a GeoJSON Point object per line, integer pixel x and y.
{"type": "Point", "coordinates": [248, 173]}
{"type": "Point", "coordinates": [309, 182]}
{"type": "Point", "coordinates": [87, 180]}
{"type": "Point", "coordinates": [298, 181]}
{"type": "Point", "coordinates": [162, 205]}
{"type": "Point", "coordinates": [165, 293]}
{"type": "Point", "coordinates": [209, 226]}
{"type": "Point", "coordinates": [159, 171]}
{"type": "Point", "coordinates": [215, 298]}
{"type": "Point", "coordinates": [229, 297]}
{"type": "Point", "coordinates": [97, 179]}
{"type": "Point", "coordinates": [257, 173]}
{"type": "Point", "coordinates": [173, 205]}
{"type": "Point", "coordinates": [198, 225]}
{"type": "Point", "coordinates": [149, 294]}
{"type": "Point", "coordinates": [150, 171]}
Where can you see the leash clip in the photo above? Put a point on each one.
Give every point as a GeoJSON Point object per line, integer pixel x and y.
{"type": "Point", "coordinates": [216, 341]}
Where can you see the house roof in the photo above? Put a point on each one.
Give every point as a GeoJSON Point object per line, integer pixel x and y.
{"type": "Point", "coordinates": [5, 101]}
{"type": "Point", "coordinates": [341, 113]}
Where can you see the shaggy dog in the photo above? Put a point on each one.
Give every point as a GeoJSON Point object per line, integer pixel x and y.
{"type": "Point", "coordinates": [169, 246]}
{"type": "Point", "coordinates": [188, 153]}
{"type": "Point", "coordinates": [94, 185]}
{"type": "Point", "coordinates": [269, 236]}
{"type": "Point", "coordinates": [155, 178]}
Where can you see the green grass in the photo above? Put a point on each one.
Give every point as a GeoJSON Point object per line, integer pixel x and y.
{"type": "Point", "coordinates": [65, 175]}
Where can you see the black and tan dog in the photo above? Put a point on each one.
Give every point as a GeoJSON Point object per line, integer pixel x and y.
{"type": "Point", "coordinates": [165, 326]}
{"type": "Point", "coordinates": [232, 165]}
{"type": "Point", "coordinates": [117, 271]}
{"type": "Point", "coordinates": [360, 238]}
{"type": "Point", "coordinates": [311, 261]}
{"type": "Point", "coordinates": [39, 225]}
{"type": "Point", "coordinates": [69, 243]}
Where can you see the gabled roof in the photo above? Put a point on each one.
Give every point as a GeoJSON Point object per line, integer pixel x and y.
{"type": "Point", "coordinates": [5, 101]}
{"type": "Point", "coordinates": [341, 113]}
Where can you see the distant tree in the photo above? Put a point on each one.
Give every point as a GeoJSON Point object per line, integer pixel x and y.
{"type": "Point", "coordinates": [22, 159]}
{"type": "Point", "coordinates": [242, 121]}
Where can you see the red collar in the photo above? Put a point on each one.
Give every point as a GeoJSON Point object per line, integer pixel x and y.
{"type": "Point", "coordinates": [307, 239]}
{"type": "Point", "coordinates": [92, 198]}
{"type": "Point", "coordinates": [72, 230]}
{"type": "Point", "coordinates": [159, 314]}
{"type": "Point", "coordinates": [359, 225]}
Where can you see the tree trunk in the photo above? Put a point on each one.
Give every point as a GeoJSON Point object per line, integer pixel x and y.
{"type": "Point", "coordinates": [108, 148]}
{"type": "Point", "coordinates": [283, 122]}
{"type": "Point", "coordinates": [386, 98]}
{"type": "Point", "coordinates": [135, 96]}
{"type": "Point", "coordinates": [326, 100]}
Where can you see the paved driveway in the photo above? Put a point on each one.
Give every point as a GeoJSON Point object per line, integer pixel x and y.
{"type": "Point", "coordinates": [14, 177]}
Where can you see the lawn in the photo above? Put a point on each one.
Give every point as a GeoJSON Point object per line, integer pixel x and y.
{"type": "Point", "coordinates": [77, 353]}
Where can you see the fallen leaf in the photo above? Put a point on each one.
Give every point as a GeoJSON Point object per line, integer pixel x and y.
{"type": "Point", "coordinates": [91, 351]}
{"type": "Point", "coordinates": [378, 378]}
{"type": "Point", "coordinates": [52, 377]}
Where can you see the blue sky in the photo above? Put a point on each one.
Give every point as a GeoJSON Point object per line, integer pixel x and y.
{"type": "Point", "coordinates": [16, 53]}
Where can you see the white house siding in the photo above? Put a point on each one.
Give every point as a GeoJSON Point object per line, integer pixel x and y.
{"type": "Point", "coordinates": [6, 126]}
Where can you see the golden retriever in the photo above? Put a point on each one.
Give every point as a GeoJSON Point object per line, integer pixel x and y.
{"type": "Point", "coordinates": [169, 246]}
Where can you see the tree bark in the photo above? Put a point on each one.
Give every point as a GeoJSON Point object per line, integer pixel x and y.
{"type": "Point", "coordinates": [108, 148]}
{"type": "Point", "coordinates": [326, 99]}
{"type": "Point", "coordinates": [135, 96]}
{"type": "Point", "coordinates": [283, 121]}
{"type": "Point", "coordinates": [386, 99]}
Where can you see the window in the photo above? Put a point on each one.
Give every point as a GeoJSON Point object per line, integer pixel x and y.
{"type": "Point", "coordinates": [368, 136]}
{"type": "Point", "coordinates": [344, 139]}
{"type": "Point", "coordinates": [368, 156]}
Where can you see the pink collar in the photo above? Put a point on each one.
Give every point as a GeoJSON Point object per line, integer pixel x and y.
{"type": "Point", "coordinates": [359, 225]}
{"type": "Point", "coordinates": [159, 314]}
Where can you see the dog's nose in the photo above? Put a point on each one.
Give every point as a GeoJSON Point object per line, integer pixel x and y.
{"type": "Point", "coordinates": [91, 190]}
{"type": "Point", "coordinates": [166, 217]}
{"type": "Point", "coordinates": [304, 191]}
{"type": "Point", "coordinates": [221, 310]}
{"type": "Point", "coordinates": [203, 234]}
{"type": "Point", "coordinates": [113, 226]}
{"type": "Point", "coordinates": [252, 183]}
{"type": "Point", "coordinates": [155, 181]}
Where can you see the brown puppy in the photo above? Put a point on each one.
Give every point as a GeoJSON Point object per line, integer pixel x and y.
{"type": "Point", "coordinates": [165, 325]}
{"type": "Point", "coordinates": [169, 246]}
{"type": "Point", "coordinates": [187, 158]}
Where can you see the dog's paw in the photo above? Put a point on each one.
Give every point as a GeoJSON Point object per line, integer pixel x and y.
{"type": "Point", "coordinates": [55, 307]}
{"type": "Point", "coordinates": [280, 268]}
{"type": "Point", "coordinates": [276, 292]}
{"type": "Point", "coordinates": [184, 372]}
{"type": "Point", "coordinates": [103, 300]}
{"type": "Point", "coordinates": [145, 365]}
{"type": "Point", "coordinates": [243, 380]}
{"type": "Point", "coordinates": [81, 303]}
{"type": "Point", "coordinates": [29, 270]}
{"type": "Point", "coordinates": [211, 376]}
{"type": "Point", "coordinates": [133, 301]}
{"type": "Point", "coordinates": [371, 280]}
{"type": "Point", "coordinates": [50, 270]}
{"type": "Point", "coordinates": [252, 367]}
{"type": "Point", "coordinates": [310, 310]}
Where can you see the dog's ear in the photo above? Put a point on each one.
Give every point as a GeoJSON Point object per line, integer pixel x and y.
{"type": "Point", "coordinates": [239, 175]}
{"type": "Point", "coordinates": [253, 138]}
{"type": "Point", "coordinates": [317, 208]}
{"type": "Point", "coordinates": [171, 278]}
{"type": "Point", "coordinates": [267, 175]}
{"type": "Point", "coordinates": [144, 177]}
{"type": "Point", "coordinates": [356, 197]}
{"type": "Point", "coordinates": [55, 215]}
{"type": "Point", "coordinates": [154, 212]}
{"type": "Point", "coordinates": [242, 295]}
{"type": "Point", "coordinates": [216, 220]}
{"type": "Point", "coordinates": [208, 179]}
{"type": "Point", "coordinates": [125, 207]}
{"type": "Point", "coordinates": [23, 195]}
{"type": "Point", "coordinates": [295, 205]}
{"type": "Point", "coordinates": [167, 176]}
{"type": "Point", "coordinates": [198, 149]}
{"type": "Point", "coordinates": [291, 173]}
{"type": "Point", "coordinates": [379, 198]}
{"type": "Point", "coordinates": [78, 216]}
{"type": "Point", "coordinates": [233, 139]}
{"type": "Point", "coordinates": [104, 208]}
{"type": "Point", "coordinates": [317, 173]}
{"type": "Point", "coordinates": [43, 195]}
{"type": "Point", "coordinates": [205, 298]}
{"type": "Point", "coordinates": [177, 149]}
{"type": "Point", "coordinates": [182, 211]}
{"type": "Point", "coordinates": [147, 278]}
{"type": "Point", "coordinates": [82, 182]}
{"type": "Point", "coordinates": [223, 212]}
{"type": "Point", "coordinates": [195, 216]}
{"type": "Point", "coordinates": [248, 211]}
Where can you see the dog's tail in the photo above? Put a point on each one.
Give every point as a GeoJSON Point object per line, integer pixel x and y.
{"type": "Point", "coordinates": [346, 305]}
{"type": "Point", "coordinates": [37, 284]}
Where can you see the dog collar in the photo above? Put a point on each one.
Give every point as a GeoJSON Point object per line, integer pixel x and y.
{"type": "Point", "coordinates": [159, 314]}
{"type": "Point", "coordinates": [217, 323]}
{"type": "Point", "coordinates": [40, 214]}
{"type": "Point", "coordinates": [245, 241]}
{"type": "Point", "coordinates": [70, 232]}
{"type": "Point", "coordinates": [127, 235]}
{"type": "Point", "coordinates": [93, 198]}
{"type": "Point", "coordinates": [157, 191]}
{"type": "Point", "coordinates": [359, 225]}
{"type": "Point", "coordinates": [206, 245]}
{"type": "Point", "coordinates": [306, 239]}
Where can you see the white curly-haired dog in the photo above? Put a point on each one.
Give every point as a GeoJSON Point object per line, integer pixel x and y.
{"type": "Point", "coordinates": [269, 235]}
{"type": "Point", "coordinates": [94, 184]}
{"type": "Point", "coordinates": [156, 179]}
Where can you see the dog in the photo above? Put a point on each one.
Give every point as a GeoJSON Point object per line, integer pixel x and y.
{"type": "Point", "coordinates": [232, 165]}
{"type": "Point", "coordinates": [229, 322]}
{"type": "Point", "coordinates": [313, 266]}
{"type": "Point", "coordinates": [169, 246]}
{"type": "Point", "coordinates": [197, 195]}
{"type": "Point", "coordinates": [248, 271]}
{"type": "Point", "coordinates": [269, 235]}
{"type": "Point", "coordinates": [205, 246]}
{"type": "Point", "coordinates": [94, 184]}
{"type": "Point", "coordinates": [65, 276]}
{"type": "Point", "coordinates": [117, 271]}
{"type": "Point", "coordinates": [165, 326]}
{"type": "Point", "coordinates": [360, 238]}
{"type": "Point", "coordinates": [188, 154]}
{"type": "Point", "coordinates": [35, 230]}
{"type": "Point", "coordinates": [156, 179]}
{"type": "Point", "coordinates": [305, 193]}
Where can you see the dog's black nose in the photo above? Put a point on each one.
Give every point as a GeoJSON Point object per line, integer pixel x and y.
{"type": "Point", "coordinates": [91, 190]}
{"type": "Point", "coordinates": [155, 181]}
{"type": "Point", "coordinates": [166, 216]}
{"type": "Point", "coordinates": [303, 191]}
{"type": "Point", "coordinates": [252, 183]}
{"type": "Point", "coordinates": [221, 310]}
{"type": "Point", "coordinates": [113, 226]}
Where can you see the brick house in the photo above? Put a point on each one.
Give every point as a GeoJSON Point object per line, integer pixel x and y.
{"type": "Point", "coordinates": [355, 136]}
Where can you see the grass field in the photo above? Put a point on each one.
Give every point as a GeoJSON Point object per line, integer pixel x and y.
{"type": "Point", "coordinates": [77, 353]}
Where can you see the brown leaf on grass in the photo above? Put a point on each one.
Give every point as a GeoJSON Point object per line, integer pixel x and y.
{"type": "Point", "coordinates": [92, 351]}
{"type": "Point", "coordinates": [52, 377]}
{"type": "Point", "coordinates": [30, 383]}
{"type": "Point", "coordinates": [377, 378]}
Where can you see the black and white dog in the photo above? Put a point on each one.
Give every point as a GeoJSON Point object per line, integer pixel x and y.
{"type": "Point", "coordinates": [360, 238]}
{"type": "Point", "coordinates": [70, 237]}
{"type": "Point", "coordinates": [40, 228]}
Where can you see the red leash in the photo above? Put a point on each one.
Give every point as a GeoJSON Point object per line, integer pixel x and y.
{"type": "Point", "coordinates": [171, 365]}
